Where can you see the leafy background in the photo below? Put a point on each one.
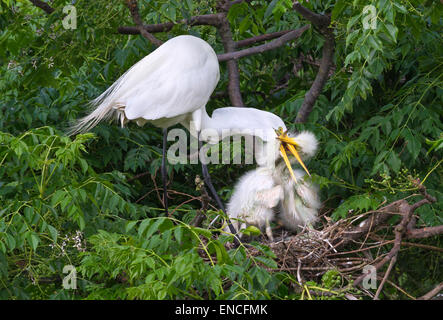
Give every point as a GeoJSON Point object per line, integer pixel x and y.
{"type": "Point", "coordinates": [86, 201]}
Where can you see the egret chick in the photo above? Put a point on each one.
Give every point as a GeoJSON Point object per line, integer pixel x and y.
{"type": "Point", "coordinates": [252, 202]}
{"type": "Point", "coordinates": [300, 203]}
{"type": "Point", "coordinates": [265, 190]}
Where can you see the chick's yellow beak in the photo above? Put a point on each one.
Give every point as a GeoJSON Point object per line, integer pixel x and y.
{"type": "Point", "coordinates": [289, 144]}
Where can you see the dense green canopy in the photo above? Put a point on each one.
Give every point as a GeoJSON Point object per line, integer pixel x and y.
{"type": "Point", "coordinates": [93, 201]}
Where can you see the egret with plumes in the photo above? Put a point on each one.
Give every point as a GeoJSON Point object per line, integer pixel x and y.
{"type": "Point", "coordinates": [173, 85]}
{"type": "Point", "coordinates": [170, 85]}
{"type": "Point", "coordinates": [265, 191]}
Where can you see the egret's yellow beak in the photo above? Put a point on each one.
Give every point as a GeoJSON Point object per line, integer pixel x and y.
{"type": "Point", "coordinates": [288, 143]}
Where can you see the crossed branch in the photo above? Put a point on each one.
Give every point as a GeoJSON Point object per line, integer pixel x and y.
{"type": "Point", "coordinates": [220, 21]}
{"type": "Point", "coordinates": [230, 56]}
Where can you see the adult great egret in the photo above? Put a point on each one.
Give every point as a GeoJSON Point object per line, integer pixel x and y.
{"type": "Point", "coordinates": [168, 86]}
{"type": "Point", "coordinates": [263, 191]}
{"type": "Point", "coordinates": [172, 85]}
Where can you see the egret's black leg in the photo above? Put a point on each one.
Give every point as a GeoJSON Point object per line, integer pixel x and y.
{"type": "Point", "coordinates": [164, 172]}
{"type": "Point", "coordinates": [208, 182]}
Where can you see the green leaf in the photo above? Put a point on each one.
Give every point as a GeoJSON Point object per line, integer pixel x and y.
{"type": "Point", "coordinates": [204, 232]}
{"type": "Point", "coordinates": [33, 240]}
{"type": "Point", "coordinates": [400, 7]}
{"type": "Point", "coordinates": [374, 42]}
{"type": "Point", "coordinates": [352, 22]}
{"type": "Point", "coordinates": [130, 225]}
{"type": "Point", "coordinates": [251, 230]}
{"type": "Point", "coordinates": [53, 233]}
{"type": "Point", "coordinates": [178, 233]}
{"type": "Point", "coordinates": [339, 6]}
{"type": "Point", "coordinates": [154, 227]}
{"type": "Point", "coordinates": [267, 262]}
{"type": "Point", "coordinates": [10, 241]}
{"type": "Point", "coordinates": [394, 161]}
{"type": "Point", "coordinates": [143, 225]}
{"type": "Point", "coordinates": [391, 31]}
{"type": "Point", "coordinates": [270, 8]}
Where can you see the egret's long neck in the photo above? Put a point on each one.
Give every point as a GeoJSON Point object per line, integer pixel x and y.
{"type": "Point", "coordinates": [201, 123]}
{"type": "Point", "coordinates": [206, 121]}
{"type": "Point", "coordinates": [212, 126]}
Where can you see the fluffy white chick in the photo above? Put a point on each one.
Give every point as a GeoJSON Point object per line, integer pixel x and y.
{"type": "Point", "coordinates": [300, 202]}
{"type": "Point", "coordinates": [252, 202]}
{"type": "Point", "coordinates": [260, 192]}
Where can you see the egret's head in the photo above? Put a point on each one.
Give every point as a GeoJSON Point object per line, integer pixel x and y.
{"type": "Point", "coordinates": [303, 145]}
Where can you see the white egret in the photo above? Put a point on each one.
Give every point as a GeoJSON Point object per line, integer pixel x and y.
{"type": "Point", "coordinates": [168, 86]}
{"type": "Point", "coordinates": [172, 85]}
{"type": "Point", "coordinates": [262, 192]}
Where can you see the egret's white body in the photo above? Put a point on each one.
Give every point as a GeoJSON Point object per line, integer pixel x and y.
{"type": "Point", "coordinates": [265, 191]}
{"type": "Point", "coordinates": [169, 86]}
{"type": "Point", "coordinates": [173, 85]}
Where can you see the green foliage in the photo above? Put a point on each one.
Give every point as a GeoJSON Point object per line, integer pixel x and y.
{"type": "Point", "coordinates": [169, 259]}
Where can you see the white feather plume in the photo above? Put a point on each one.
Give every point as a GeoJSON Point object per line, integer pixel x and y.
{"type": "Point", "coordinates": [254, 197]}
{"type": "Point", "coordinates": [170, 83]}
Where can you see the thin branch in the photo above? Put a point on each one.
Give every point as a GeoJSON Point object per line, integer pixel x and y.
{"type": "Point", "coordinates": [377, 218]}
{"type": "Point", "coordinates": [260, 38]}
{"type": "Point", "coordinates": [322, 23]}
{"type": "Point", "coordinates": [43, 5]}
{"type": "Point", "coordinates": [264, 47]}
{"type": "Point", "coordinates": [433, 292]}
{"type": "Point", "coordinates": [231, 3]}
{"type": "Point", "coordinates": [319, 20]}
{"type": "Point", "coordinates": [229, 46]}
{"type": "Point", "coordinates": [424, 232]}
{"type": "Point", "coordinates": [133, 8]}
{"type": "Point", "coordinates": [380, 287]}
{"type": "Point", "coordinates": [202, 20]}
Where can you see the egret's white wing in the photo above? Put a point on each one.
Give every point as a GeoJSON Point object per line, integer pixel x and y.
{"type": "Point", "coordinates": [175, 79]}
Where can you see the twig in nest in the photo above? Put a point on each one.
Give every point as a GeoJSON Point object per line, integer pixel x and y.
{"type": "Point", "coordinates": [433, 292]}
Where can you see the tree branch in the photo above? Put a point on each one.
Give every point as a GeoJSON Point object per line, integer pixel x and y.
{"type": "Point", "coordinates": [407, 211]}
{"type": "Point", "coordinates": [43, 5]}
{"type": "Point", "coordinates": [322, 23]}
{"type": "Point", "coordinates": [229, 46]}
{"type": "Point", "coordinates": [203, 20]}
{"type": "Point", "coordinates": [319, 20]}
{"type": "Point", "coordinates": [264, 47]}
{"type": "Point", "coordinates": [432, 293]}
{"type": "Point", "coordinates": [424, 232]}
{"type": "Point", "coordinates": [133, 8]}
{"type": "Point", "coordinates": [320, 79]}
{"type": "Point", "coordinates": [260, 38]}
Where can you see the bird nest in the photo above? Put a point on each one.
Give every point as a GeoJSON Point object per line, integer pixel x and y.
{"type": "Point", "coordinates": [311, 252]}
{"type": "Point", "coordinates": [350, 244]}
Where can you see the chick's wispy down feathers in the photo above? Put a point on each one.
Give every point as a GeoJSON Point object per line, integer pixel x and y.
{"type": "Point", "coordinates": [264, 194]}
{"type": "Point", "coordinates": [255, 195]}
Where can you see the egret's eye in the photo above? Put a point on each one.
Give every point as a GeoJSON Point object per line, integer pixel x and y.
{"type": "Point", "coordinates": [279, 131]}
